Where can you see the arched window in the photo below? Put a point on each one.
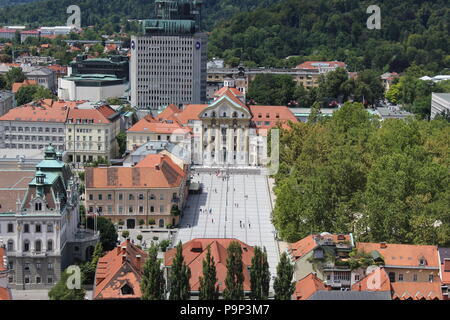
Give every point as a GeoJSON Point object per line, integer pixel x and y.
{"type": "Point", "coordinates": [26, 246]}
{"type": "Point", "coordinates": [10, 246]}
{"type": "Point", "coordinates": [38, 206]}
{"type": "Point", "coordinates": [213, 114]}
{"type": "Point", "coordinates": [50, 245]}
{"type": "Point", "coordinates": [224, 114]}
{"type": "Point", "coordinates": [235, 114]}
{"type": "Point", "coordinates": [38, 245]}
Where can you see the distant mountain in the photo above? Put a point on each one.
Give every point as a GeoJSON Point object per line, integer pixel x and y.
{"type": "Point", "coordinates": [97, 12]}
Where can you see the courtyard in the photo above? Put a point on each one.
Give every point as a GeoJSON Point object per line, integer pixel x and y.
{"type": "Point", "coordinates": [235, 207]}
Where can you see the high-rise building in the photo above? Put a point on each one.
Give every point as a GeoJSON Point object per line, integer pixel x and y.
{"type": "Point", "coordinates": [168, 62]}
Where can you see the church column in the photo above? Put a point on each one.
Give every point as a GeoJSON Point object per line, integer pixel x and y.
{"type": "Point", "coordinates": [230, 145]}
{"type": "Point", "coordinates": [217, 145]}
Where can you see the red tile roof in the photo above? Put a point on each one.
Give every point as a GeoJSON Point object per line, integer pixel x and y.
{"type": "Point", "coordinates": [149, 173]}
{"type": "Point", "coordinates": [416, 290]}
{"type": "Point", "coordinates": [222, 91]}
{"type": "Point", "coordinates": [149, 125]}
{"type": "Point", "coordinates": [403, 255]}
{"type": "Point", "coordinates": [194, 252]}
{"type": "Point", "coordinates": [305, 245]}
{"type": "Point", "coordinates": [94, 115]}
{"type": "Point", "coordinates": [378, 280]}
{"type": "Point", "coordinates": [5, 293]}
{"type": "Point", "coordinates": [274, 114]}
{"type": "Point", "coordinates": [17, 85]}
{"type": "Point", "coordinates": [119, 267]}
{"type": "Point", "coordinates": [309, 285]}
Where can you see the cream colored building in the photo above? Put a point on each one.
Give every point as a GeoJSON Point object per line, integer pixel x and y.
{"type": "Point", "coordinates": [91, 133]}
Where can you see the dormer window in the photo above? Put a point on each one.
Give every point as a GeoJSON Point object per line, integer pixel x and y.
{"type": "Point", "coordinates": [422, 261]}
{"type": "Point", "coordinates": [38, 206]}
{"type": "Point", "coordinates": [127, 290]}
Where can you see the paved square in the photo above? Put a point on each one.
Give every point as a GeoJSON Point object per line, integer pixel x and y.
{"type": "Point", "coordinates": [240, 208]}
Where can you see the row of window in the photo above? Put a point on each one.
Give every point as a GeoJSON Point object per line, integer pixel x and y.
{"type": "Point", "coordinates": [26, 245]}
{"type": "Point", "coordinates": [27, 279]}
{"type": "Point", "coordinates": [33, 138]}
{"type": "Point", "coordinates": [130, 196]}
{"type": "Point", "coordinates": [401, 277]}
{"type": "Point", "coordinates": [26, 228]}
{"type": "Point", "coordinates": [130, 209]}
{"type": "Point", "coordinates": [34, 129]}
{"type": "Point", "coordinates": [29, 146]}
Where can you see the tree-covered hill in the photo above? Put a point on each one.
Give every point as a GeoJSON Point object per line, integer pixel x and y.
{"type": "Point", "coordinates": [412, 31]}
{"type": "Point", "coordinates": [97, 12]}
{"type": "Point", "coordinates": [4, 3]}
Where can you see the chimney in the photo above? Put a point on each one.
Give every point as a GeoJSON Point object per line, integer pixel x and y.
{"type": "Point", "coordinates": [124, 258]}
{"type": "Point", "coordinates": [447, 264]}
{"type": "Point", "coordinates": [157, 167]}
{"type": "Point", "coordinates": [118, 250]}
{"type": "Point", "coordinates": [383, 245]}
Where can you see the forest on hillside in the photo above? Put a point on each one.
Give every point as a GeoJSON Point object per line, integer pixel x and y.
{"type": "Point", "coordinates": [116, 12]}
{"type": "Point", "coordinates": [412, 32]}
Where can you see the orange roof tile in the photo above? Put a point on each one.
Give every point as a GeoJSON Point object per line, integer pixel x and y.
{"type": "Point", "coordinates": [222, 91]}
{"type": "Point", "coordinates": [307, 286]}
{"type": "Point", "coordinates": [120, 266]}
{"type": "Point", "coordinates": [274, 114]}
{"type": "Point", "coordinates": [377, 280]}
{"type": "Point", "coordinates": [152, 126]}
{"type": "Point", "coordinates": [403, 255]}
{"type": "Point", "coordinates": [94, 115]}
{"type": "Point", "coordinates": [17, 85]}
{"type": "Point", "coordinates": [305, 245]}
{"type": "Point", "coordinates": [194, 252]}
{"type": "Point", "coordinates": [147, 174]}
{"type": "Point", "coordinates": [416, 290]}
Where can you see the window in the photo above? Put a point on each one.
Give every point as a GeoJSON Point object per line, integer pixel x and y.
{"type": "Point", "coordinates": [38, 246]}
{"type": "Point", "coordinates": [49, 227]}
{"type": "Point", "coordinates": [26, 266]}
{"type": "Point", "coordinates": [50, 245]}
{"type": "Point", "coordinates": [27, 279]}
{"type": "Point", "coordinates": [415, 277]}
{"type": "Point", "coordinates": [38, 266]}
{"type": "Point", "coordinates": [10, 228]}
{"type": "Point", "coordinates": [400, 277]}
{"type": "Point", "coordinates": [50, 280]}
{"type": "Point", "coordinates": [38, 280]}
{"type": "Point", "coordinates": [38, 228]}
{"type": "Point", "coordinates": [141, 197]}
{"type": "Point", "coordinates": [431, 277]}
{"type": "Point", "coordinates": [130, 209]}
{"type": "Point", "coordinates": [141, 209]}
{"type": "Point", "coordinates": [161, 209]}
{"type": "Point", "coordinates": [50, 266]}
{"type": "Point", "coordinates": [10, 245]}
{"type": "Point", "coordinates": [130, 197]}
{"type": "Point", "coordinates": [26, 228]}
{"type": "Point", "coordinates": [91, 197]}
{"type": "Point", "coordinates": [100, 197]}
{"type": "Point", "coordinates": [120, 196]}
{"type": "Point", "coordinates": [109, 196]}
{"type": "Point", "coordinates": [152, 197]}
{"type": "Point", "coordinates": [10, 265]}
{"type": "Point", "coordinates": [161, 197]}
{"type": "Point", "coordinates": [126, 290]}
{"type": "Point", "coordinates": [356, 277]}
{"type": "Point", "coordinates": [26, 246]}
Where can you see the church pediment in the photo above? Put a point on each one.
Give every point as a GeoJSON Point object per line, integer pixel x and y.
{"type": "Point", "coordinates": [225, 107]}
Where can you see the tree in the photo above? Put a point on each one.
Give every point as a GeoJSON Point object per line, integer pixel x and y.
{"type": "Point", "coordinates": [153, 284]}
{"type": "Point", "coordinates": [14, 75]}
{"type": "Point", "coordinates": [259, 275]}
{"type": "Point", "coordinates": [234, 282]}
{"type": "Point", "coordinates": [283, 285]}
{"type": "Point", "coordinates": [269, 89]}
{"type": "Point", "coordinates": [139, 237]}
{"type": "Point", "coordinates": [125, 234]}
{"type": "Point", "coordinates": [208, 288]}
{"type": "Point", "coordinates": [61, 292]}
{"type": "Point", "coordinates": [89, 267]}
{"type": "Point", "coordinates": [164, 244]}
{"type": "Point", "coordinates": [180, 273]}
{"type": "Point", "coordinates": [108, 233]}
{"type": "Point", "coordinates": [30, 93]}
{"type": "Point", "coordinates": [122, 141]}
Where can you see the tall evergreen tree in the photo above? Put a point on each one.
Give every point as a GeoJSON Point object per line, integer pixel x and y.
{"type": "Point", "coordinates": [180, 274]}
{"type": "Point", "coordinates": [234, 281]}
{"type": "Point", "coordinates": [259, 275]}
{"type": "Point", "coordinates": [153, 283]}
{"type": "Point", "coordinates": [208, 288]}
{"type": "Point", "coordinates": [283, 285]}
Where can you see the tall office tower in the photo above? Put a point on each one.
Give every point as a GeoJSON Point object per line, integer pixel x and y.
{"type": "Point", "coordinates": [168, 62]}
